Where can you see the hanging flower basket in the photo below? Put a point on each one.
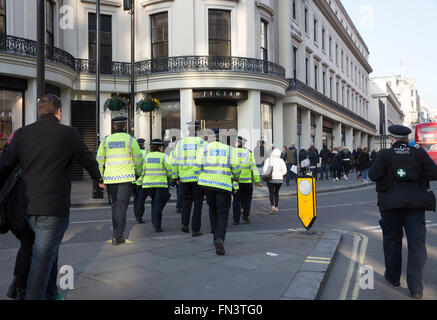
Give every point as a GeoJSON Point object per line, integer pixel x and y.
{"type": "Point", "coordinates": [148, 104]}
{"type": "Point", "coordinates": [116, 103]}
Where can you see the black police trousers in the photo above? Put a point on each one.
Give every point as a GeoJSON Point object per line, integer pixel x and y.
{"type": "Point", "coordinates": [242, 200]}
{"type": "Point", "coordinates": [219, 203]}
{"type": "Point", "coordinates": [120, 194]}
{"type": "Point", "coordinates": [392, 223]}
{"type": "Point", "coordinates": [192, 193]}
{"type": "Point", "coordinates": [160, 197]}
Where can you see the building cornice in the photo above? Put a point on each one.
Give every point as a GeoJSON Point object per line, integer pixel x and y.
{"type": "Point", "coordinates": [265, 7]}
{"type": "Point", "coordinates": [146, 3]}
{"type": "Point", "coordinates": [327, 12]}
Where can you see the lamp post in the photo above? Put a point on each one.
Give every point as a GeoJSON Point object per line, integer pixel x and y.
{"type": "Point", "coordinates": [129, 5]}
{"type": "Point", "coordinates": [97, 191]}
{"type": "Point", "coordinates": [40, 49]}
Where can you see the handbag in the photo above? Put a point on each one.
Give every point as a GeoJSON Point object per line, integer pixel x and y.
{"type": "Point", "coordinates": [268, 175]}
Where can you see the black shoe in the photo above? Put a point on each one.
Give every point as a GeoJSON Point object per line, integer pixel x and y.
{"type": "Point", "coordinates": [393, 283]}
{"type": "Point", "coordinates": [158, 230]}
{"type": "Point", "coordinates": [179, 210]}
{"type": "Point", "coordinates": [196, 234]}
{"type": "Point", "coordinates": [12, 290]}
{"type": "Point", "coordinates": [236, 223]}
{"type": "Point", "coordinates": [139, 221]}
{"type": "Point", "coordinates": [116, 242]}
{"type": "Point", "coordinates": [416, 295]}
{"type": "Point", "coordinates": [185, 229]}
{"type": "Point", "coordinates": [246, 219]}
{"type": "Point", "coordinates": [21, 294]}
{"type": "Point", "coordinates": [219, 249]}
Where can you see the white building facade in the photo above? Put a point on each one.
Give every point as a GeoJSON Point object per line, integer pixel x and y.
{"type": "Point", "coordinates": [385, 110]}
{"type": "Point", "coordinates": [276, 70]}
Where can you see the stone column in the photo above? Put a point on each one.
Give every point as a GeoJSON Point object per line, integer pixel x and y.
{"type": "Point", "coordinates": [66, 106]}
{"type": "Point", "coordinates": [285, 47]}
{"type": "Point", "coordinates": [290, 124]}
{"type": "Point", "coordinates": [357, 142]}
{"type": "Point", "coordinates": [31, 106]}
{"type": "Point", "coordinates": [319, 132]}
{"type": "Point", "coordinates": [349, 136]}
{"type": "Point", "coordinates": [187, 109]}
{"type": "Point", "coordinates": [278, 123]}
{"type": "Point", "coordinates": [305, 139]}
{"type": "Point", "coordinates": [364, 140]}
{"type": "Point", "coordinates": [336, 132]}
{"type": "Point", "coordinates": [249, 118]}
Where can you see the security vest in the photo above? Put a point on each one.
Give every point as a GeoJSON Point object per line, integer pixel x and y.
{"type": "Point", "coordinates": [217, 165]}
{"type": "Point", "coordinates": [248, 166]}
{"type": "Point", "coordinates": [143, 153]}
{"type": "Point", "coordinates": [120, 158]}
{"type": "Point", "coordinates": [156, 170]}
{"type": "Point", "coordinates": [184, 157]}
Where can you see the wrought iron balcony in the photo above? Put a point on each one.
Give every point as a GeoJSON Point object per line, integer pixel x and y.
{"type": "Point", "coordinates": [25, 47]}
{"type": "Point", "coordinates": [296, 85]}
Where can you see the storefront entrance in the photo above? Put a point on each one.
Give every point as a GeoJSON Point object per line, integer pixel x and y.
{"type": "Point", "coordinates": [219, 115]}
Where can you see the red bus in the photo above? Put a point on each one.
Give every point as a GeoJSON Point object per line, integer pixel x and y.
{"type": "Point", "coordinates": [426, 137]}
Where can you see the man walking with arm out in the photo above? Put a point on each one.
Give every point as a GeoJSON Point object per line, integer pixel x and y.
{"type": "Point", "coordinates": [45, 151]}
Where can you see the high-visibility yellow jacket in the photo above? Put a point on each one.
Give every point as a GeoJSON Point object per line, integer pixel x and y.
{"type": "Point", "coordinates": [217, 166]}
{"type": "Point", "coordinates": [120, 158]}
{"type": "Point", "coordinates": [138, 182]}
{"type": "Point", "coordinates": [184, 158]}
{"type": "Point", "coordinates": [248, 166]}
{"type": "Point", "coordinates": [156, 170]}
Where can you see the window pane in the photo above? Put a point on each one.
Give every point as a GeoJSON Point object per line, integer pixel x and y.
{"type": "Point", "coordinates": [2, 6]}
{"type": "Point", "coordinates": [2, 25]}
{"type": "Point", "coordinates": [219, 31]}
{"type": "Point", "coordinates": [159, 27]}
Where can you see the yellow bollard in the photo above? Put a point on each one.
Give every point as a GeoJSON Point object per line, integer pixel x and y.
{"type": "Point", "coordinates": [306, 201]}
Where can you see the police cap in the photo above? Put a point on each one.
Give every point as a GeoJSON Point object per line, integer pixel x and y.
{"type": "Point", "coordinates": [120, 119]}
{"type": "Point", "coordinates": [141, 141]}
{"type": "Point", "coordinates": [241, 139]}
{"type": "Point", "coordinates": [399, 132]}
{"type": "Point", "coordinates": [194, 123]}
{"type": "Point", "coordinates": [157, 142]}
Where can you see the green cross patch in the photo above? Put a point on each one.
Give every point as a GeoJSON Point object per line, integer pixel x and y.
{"type": "Point", "coordinates": [401, 173]}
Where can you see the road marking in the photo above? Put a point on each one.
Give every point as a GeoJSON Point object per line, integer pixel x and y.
{"type": "Point", "coordinates": [314, 261]}
{"type": "Point", "coordinates": [350, 271]}
{"type": "Point", "coordinates": [318, 258]}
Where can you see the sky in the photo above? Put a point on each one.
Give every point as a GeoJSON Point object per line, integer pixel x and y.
{"type": "Point", "coordinates": [400, 31]}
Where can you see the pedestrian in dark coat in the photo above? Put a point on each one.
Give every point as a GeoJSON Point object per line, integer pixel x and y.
{"type": "Point", "coordinates": [365, 163]}
{"type": "Point", "coordinates": [45, 151]}
{"type": "Point", "coordinates": [314, 159]}
{"type": "Point", "coordinates": [336, 165]}
{"type": "Point", "coordinates": [14, 205]}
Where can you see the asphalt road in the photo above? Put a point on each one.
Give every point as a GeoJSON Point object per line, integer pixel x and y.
{"type": "Point", "coordinates": [353, 213]}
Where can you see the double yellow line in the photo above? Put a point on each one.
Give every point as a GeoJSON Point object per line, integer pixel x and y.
{"type": "Point", "coordinates": [318, 260]}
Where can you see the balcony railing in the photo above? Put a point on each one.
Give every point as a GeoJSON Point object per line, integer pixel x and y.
{"type": "Point", "coordinates": [302, 87]}
{"type": "Point", "coordinates": [25, 47]}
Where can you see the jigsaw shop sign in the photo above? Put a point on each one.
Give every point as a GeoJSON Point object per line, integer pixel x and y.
{"type": "Point", "coordinates": [220, 94]}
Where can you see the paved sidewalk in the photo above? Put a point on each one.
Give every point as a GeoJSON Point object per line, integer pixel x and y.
{"type": "Point", "coordinates": [263, 265]}
{"type": "Point", "coordinates": [81, 195]}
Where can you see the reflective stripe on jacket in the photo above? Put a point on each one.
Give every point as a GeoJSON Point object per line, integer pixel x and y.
{"type": "Point", "coordinates": [120, 158]}
{"type": "Point", "coordinates": [217, 165]}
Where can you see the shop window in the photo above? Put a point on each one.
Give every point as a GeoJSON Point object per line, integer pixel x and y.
{"type": "Point", "coordinates": [170, 118]}
{"type": "Point", "coordinates": [11, 116]}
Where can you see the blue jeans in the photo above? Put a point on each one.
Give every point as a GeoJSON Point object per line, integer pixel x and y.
{"type": "Point", "coordinates": [365, 173]}
{"type": "Point", "coordinates": [324, 169]}
{"type": "Point", "coordinates": [49, 231]}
